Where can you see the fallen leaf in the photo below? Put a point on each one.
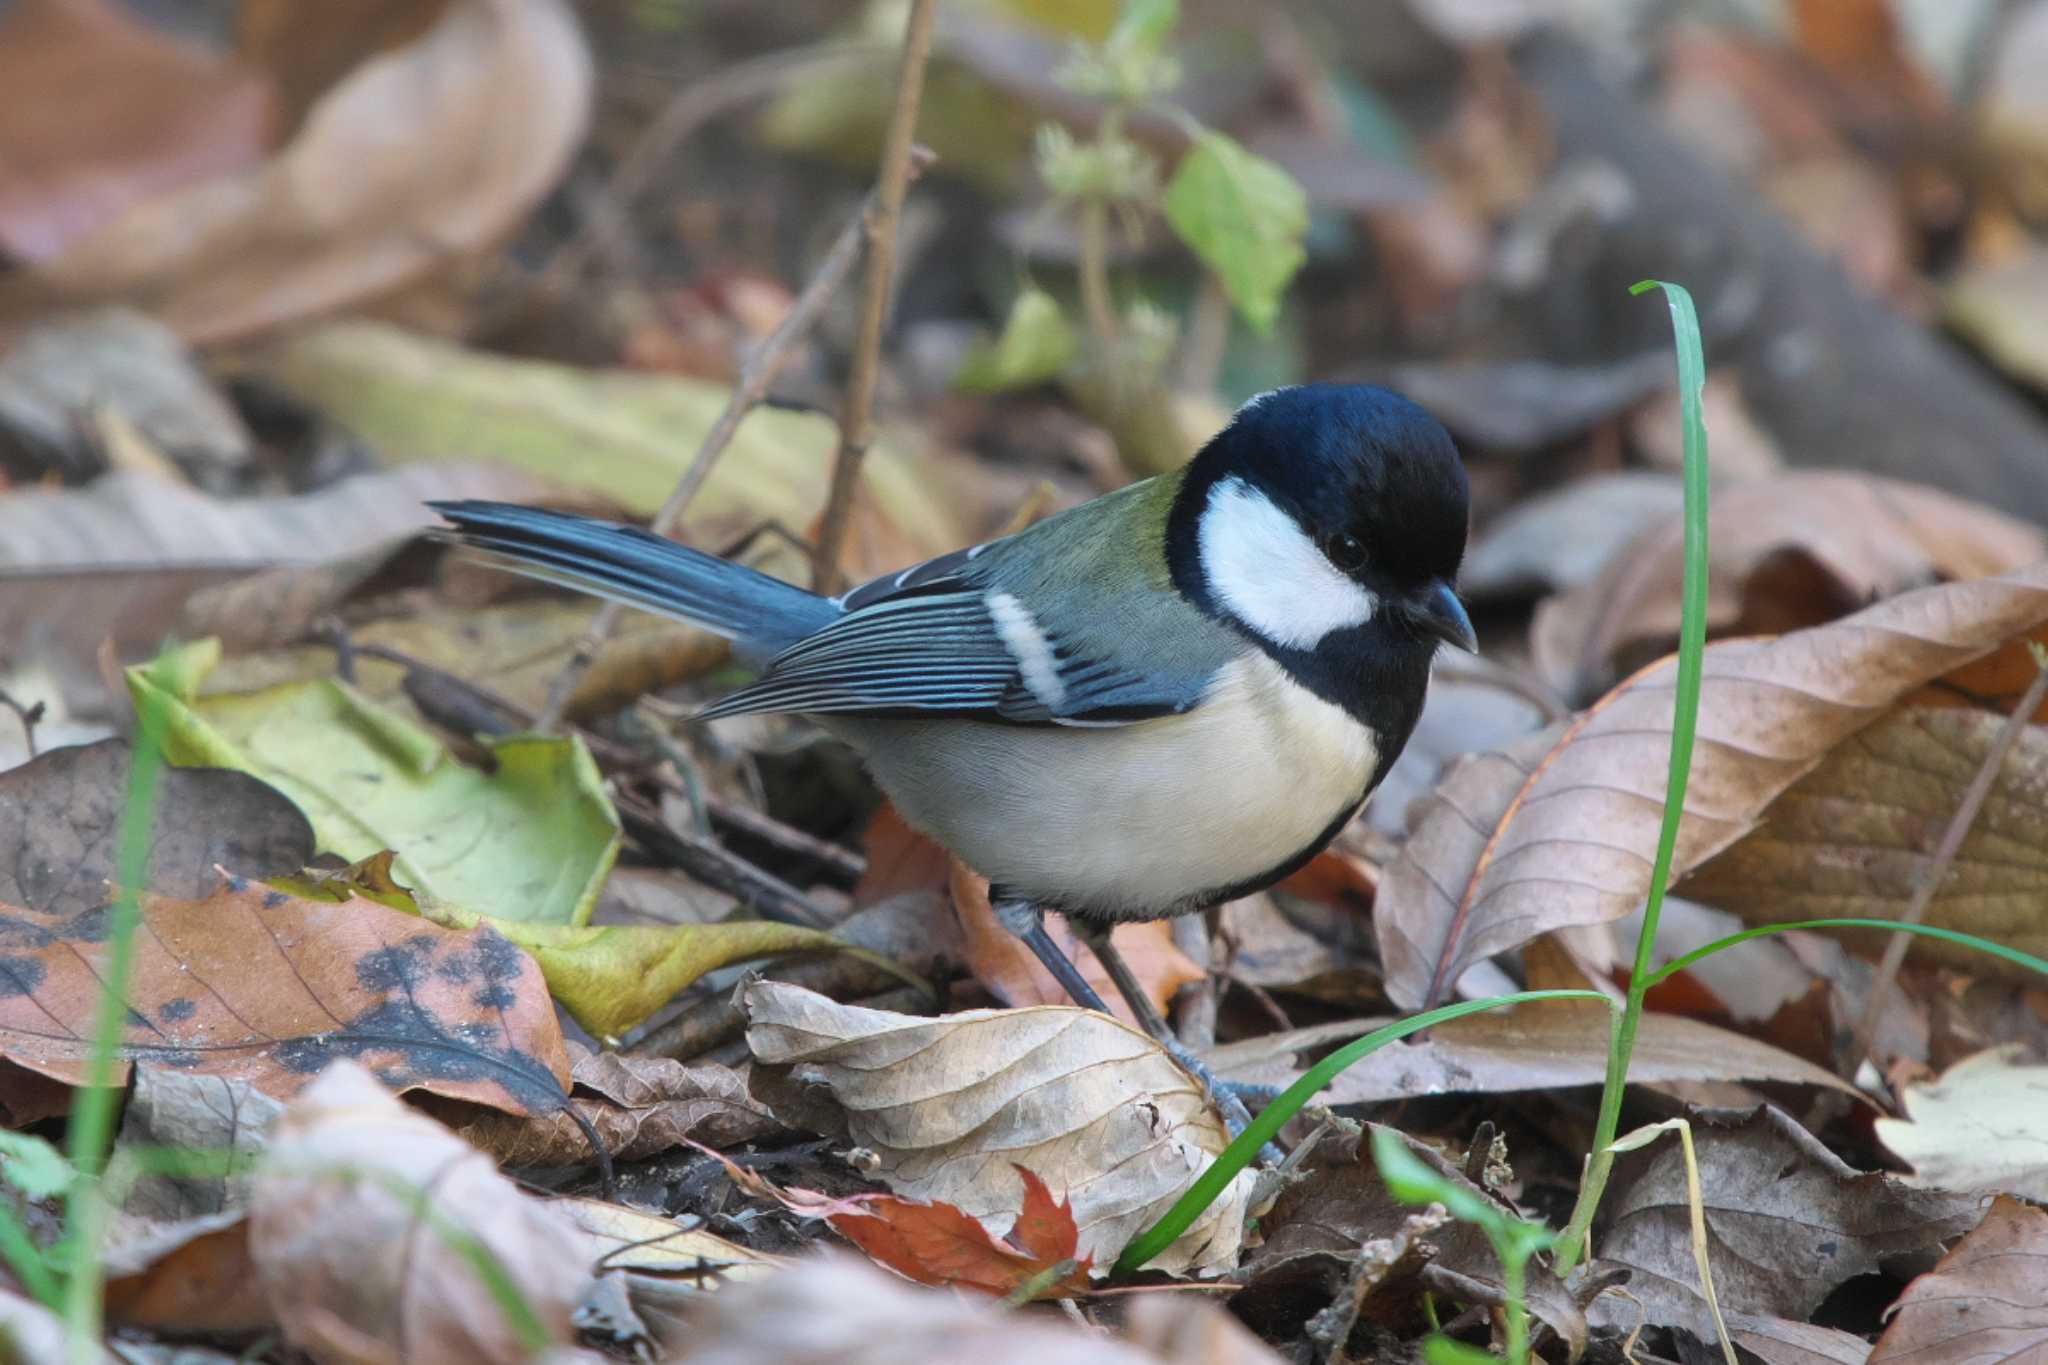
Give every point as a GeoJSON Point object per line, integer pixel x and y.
{"type": "Point", "coordinates": [1537, 1046]}
{"type": "Point", "coordinates": [530, 841]}
{"type": "Point", "coordinates": [254, 985]}
{"type": "Point", "coordinates": [1855, 836]}
{"type": "Point", "coordinates": [60, 826]}
{"type": "Point", "coordinates": [1015, 976]}
{"type": "Point", "coordinates": [639, 1107]}
{"type": "Point", "coordinates": [66, 379]}
{"type": "Point", "coordinates": [228, 1118]}
{"type": "Point", "coordinates": [412, 164]}
{"type": "Point", "coordinates": [1781, 1341]}
{"type": "Point", "coordinates": [1787, 1223]}
{"type": "Point", "coordinates": [608, 977]}
{"type": "Point", "coordinates": [356, 1209]}
{"type": "Point", "coordinates": [1562, 539]}
{"type": "Point", "coordinates": [1982, 1126]}
{"type": "Point", "coordinates": [1983, 1302]}
{"type": "Point", "coordinates": [190, 1278]}
{"type": "Point", "coordinates": [626, 435]}
{"type": "Point", "coordinates": [1198, 1333]}
{"type": "Point", "coordinates": [1791, 551]}
{"type": "Point", "coordinates": [1087, 1102]}
{"type": "Point", "coordinates": [839, 1309]}
{"type": "Point", "coordinates": [1339, 1203]}
{"type": "Point", "coordinates": [1505, 849]}
{"type": "Point", "coordinates": [938, 1244]}
{"type": "Point", "coordinates": [164, 115]}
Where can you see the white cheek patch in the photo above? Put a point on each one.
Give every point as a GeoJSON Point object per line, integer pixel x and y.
{"type": "Point", "coordinates": [1266, 572]}
{"type": "Point", "coordinates": [1027, 644]}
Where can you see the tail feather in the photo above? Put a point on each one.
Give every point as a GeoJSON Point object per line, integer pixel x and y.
{"type": "Point", "coordinates": [761, 615]}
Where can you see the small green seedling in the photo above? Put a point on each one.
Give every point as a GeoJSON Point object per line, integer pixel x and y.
{"type": "Point", "coordinates": [1515, 1240]}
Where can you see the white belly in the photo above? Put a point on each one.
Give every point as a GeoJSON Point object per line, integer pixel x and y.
{"type": "Point", "coordinates": [1131, 820]}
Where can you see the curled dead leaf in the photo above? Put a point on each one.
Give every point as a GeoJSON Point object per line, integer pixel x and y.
{"type": "Point", "coordinates": [351, 1177]}
{"type": "Point", "coordinates": [1091, 1105]}
{"type": "Point", "coordinates": [1787, 552]}
{"type": "Point", "coordinates": [1559, 829]}
{"type": "Point", "coordinates": [1983, 1302]}
{"type": "Point", "coordinates": [938, 1244]}
{"type": "Point", "coordinates": [409, 165]}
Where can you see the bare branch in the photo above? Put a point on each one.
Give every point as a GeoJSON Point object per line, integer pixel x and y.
{"type": "Point", "coordinates": [856, 421]}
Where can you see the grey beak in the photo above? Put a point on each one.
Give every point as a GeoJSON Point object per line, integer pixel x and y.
{"type": "Point", "coordinates": [1441, 614]}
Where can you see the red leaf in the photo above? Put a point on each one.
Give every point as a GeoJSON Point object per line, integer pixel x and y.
{"type": "Point", "coordinates": [939, 1244]}
{"type": "Point", "coordinates": [1044, 1230]}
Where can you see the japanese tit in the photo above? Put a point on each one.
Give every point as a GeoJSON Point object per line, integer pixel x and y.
{"type": "Point", "coordinates": [1170, 696]}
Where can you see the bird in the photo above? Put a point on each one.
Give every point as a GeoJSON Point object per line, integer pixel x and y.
{"type": "Point", "coordinates": [1165, 698]}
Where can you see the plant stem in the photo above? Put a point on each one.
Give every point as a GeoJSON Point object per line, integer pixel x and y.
{"type": "Point", "coordinates": [92, 1111]}
{"type": "Point", "coordinates": [1692, 643]}
{"type": "Point", "coordinates": [856, 420]}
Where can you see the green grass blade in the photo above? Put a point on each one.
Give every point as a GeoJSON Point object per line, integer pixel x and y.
{"type": "Point", "coordinates": [1692, 645]}
{"type": "Point", "coordinates": [1274, 1116]}
{"type": "Point", "coordinates": [1956, 936]}
{"type": "Point", "coordinates": [92, 1110]}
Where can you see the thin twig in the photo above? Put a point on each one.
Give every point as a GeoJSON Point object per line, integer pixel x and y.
{"type": "Point", "coordinates": [759, 371]}
{"type": "Point", "coordinates": [1951, 844]}
{"type": "Point", "coordinates": [856, 421]}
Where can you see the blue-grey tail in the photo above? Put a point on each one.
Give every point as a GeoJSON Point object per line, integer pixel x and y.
{"type": "Point", "coordinates": [761, 615]}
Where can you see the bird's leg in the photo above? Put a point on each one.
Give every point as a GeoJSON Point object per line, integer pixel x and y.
{"type": "Point", "coordinates": [1235, 1116]}
{"type": "Point", "coordinates": [1027, 922]}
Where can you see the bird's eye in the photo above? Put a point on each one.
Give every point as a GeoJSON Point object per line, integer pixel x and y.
{"type": "Point", "coordinates": [1346, 553]}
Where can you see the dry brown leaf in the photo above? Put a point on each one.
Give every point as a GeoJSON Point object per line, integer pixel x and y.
{"type": "Point", "coordinates": [354, 1268]}
{"type": "Point", "coordinates": [1983, 1302]}
{"type": "Point", "coordinates": [1787, 552]}
{"type": "Point", "coordinates": [640, 1107]}
{"type": "Point", "coordinates": [60, 825]}
{"type": "Point", "coordinates": [170, 1108]}
{"type": "Point", "coordinates": [1559, 829]}
{"type": "Point", "coordinates": [411, 164]}
{"type": "Point", "coordinates": [190, 1278]}
{"type": "Point", "coordinates": [839, 1309]}
{"type": "Point", "coordinates": [947, 1104]}
{"type": "Point", "coordinates": [1538, 1046]}
{"type": "Point", "coordinates": [1781, 1341]}
{"type": "Point", "coordinates": [1562, 540]}
{"type": "Point", "coordinates": [1323, 1219]}
{"type": "Point", "coordinates": [1015, 976]}
{"type": "Point", "coordinates": [1787, 1222]}
{"type": "Point", "coordinates": [252, 984]}
{"type": "Point", "coordinates": [162, 115]}
{"type": "Point", "coordinates": [1854, 838]}
{"type": "Point", "coordinates": [1982, 1125]}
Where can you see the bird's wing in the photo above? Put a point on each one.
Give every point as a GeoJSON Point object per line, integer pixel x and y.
{"type": "Point", "coordinates": [970, 635]}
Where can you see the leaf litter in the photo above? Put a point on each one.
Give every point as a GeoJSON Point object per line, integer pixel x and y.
{"type": "Point", "coordinates": [372, 688]}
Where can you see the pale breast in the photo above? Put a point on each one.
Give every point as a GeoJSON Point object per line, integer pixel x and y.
{"type": "Point", "coordinates": [1132, 820]}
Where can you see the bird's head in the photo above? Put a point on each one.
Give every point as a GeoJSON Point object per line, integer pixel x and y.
{"type": "Point", "coordinates": [1323, 509]}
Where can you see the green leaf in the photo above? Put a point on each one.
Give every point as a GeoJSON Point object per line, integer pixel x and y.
{"type": "Point", "coordinates": [1442, 1350]}
{"type": "Point", "coordinates": [1035, 346]}
{"type": "Point", "coordinates": [533, 840]}
{"type": "Point", "coordinates": [1245, 217]}
{"type": "Point", "coordinates": [33, 1166]}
